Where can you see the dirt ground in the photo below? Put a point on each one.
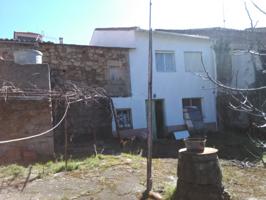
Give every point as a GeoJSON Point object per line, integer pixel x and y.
{"type": "Point", "coordinates": [123, 177]}
{"type": "Point", "coordinates": [120, 180]}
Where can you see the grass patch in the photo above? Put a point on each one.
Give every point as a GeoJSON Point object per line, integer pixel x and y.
{"type": "Point", "coordinates": [91, 162]}
{"type": "Point", "coordinates": [13, 170]}
{"type": "Point", "coordinates": [55, 167]}
{"type": "Point", "coordinates": [169, 192]}
{"type": "Point", "coordinates": [103, 162]}
{"type": "Point", "coordinates": [59, 167]}
{"type": "Point", "coordinates": [100, 162]}
{"type": "Point", "coordinates": [242, 183]}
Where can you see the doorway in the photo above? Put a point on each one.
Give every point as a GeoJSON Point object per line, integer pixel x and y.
{"type": "Point", "coordinates": [158, 118]}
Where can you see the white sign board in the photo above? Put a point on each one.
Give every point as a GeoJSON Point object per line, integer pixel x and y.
{"type": "Point", "coordinates": [181, 134]}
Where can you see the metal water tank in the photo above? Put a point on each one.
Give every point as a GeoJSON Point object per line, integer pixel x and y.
{"type": "Point", "coordinates": [28, 56]}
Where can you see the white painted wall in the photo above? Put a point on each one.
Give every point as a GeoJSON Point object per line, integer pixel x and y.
{"type": "Point", "coordinates": [113, 38]}
{"type": "Point", "coordinates": [170, 86]}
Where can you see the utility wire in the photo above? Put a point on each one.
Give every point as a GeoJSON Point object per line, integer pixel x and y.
{"type": "Point", "coordinates": [39, 134]}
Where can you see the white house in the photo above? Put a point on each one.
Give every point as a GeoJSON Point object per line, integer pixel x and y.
{"type": "Point", "coordinates": [176, 63]}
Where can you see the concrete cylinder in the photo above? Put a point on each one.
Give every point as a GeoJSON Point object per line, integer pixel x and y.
{"type": "Point", "coordinates": [28, 56]}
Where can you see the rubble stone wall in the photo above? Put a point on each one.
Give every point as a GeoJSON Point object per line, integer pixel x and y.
{"type": "Point", "coordinates": [22, 115]}
{"type": "Point", "coordinates": [22, 118]}
{"type": "Point", "coordinates": [80, 64]}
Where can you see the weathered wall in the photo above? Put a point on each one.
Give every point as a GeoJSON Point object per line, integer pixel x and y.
{"type": "Point", "coordinates": [30, 76]}
{"type": "Point", "coordinates": [25, 116]}
{"type": "Point", "coordinates": [82, 65]}
{"type": "Point", "coordinates": [83, 121]}
{"type": "Point", "coordinates": [21, 118]}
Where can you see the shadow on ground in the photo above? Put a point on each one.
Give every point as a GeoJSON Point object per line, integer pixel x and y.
{"type": "Point", "coordinates": [231, 145]}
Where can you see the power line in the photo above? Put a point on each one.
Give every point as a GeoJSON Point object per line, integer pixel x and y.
{"type": "Point", "coordinates": [39, 134]}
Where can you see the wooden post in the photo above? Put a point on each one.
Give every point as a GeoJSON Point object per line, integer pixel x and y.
{"type": "Point", "coordinates": [66, 142]}
{"type": "Point", "coordinates": [149, 121]}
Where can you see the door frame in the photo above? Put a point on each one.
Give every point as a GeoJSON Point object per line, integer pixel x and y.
{"type": "Point", "coordinates": [155, 133]}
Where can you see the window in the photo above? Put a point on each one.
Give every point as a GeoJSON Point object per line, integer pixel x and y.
{"type": "Point", "coordinates": [124, 118]}
{"type": "Point", "coordinates": [192, 102]}
{"type": "Point", "coordinates": [193, 61]}
{"type": "Point", "coordinates": [115, 73]}
{"type": "Point", "coordinates": [165, 61]}
{"type": "Point", "coordinates": [192, 113]}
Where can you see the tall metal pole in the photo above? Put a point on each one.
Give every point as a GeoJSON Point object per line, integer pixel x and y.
{"type": "Point", "coordinates": [66, 139]}
{"type": "Point", "coordinates": [149, 120]}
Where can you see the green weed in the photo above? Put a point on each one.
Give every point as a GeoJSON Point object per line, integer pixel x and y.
{"type": "Point", "coordinates": [169, 192]}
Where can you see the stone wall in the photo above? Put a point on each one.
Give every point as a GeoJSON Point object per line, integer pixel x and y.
{"type": "Point", "coordinates": [23, 116]}
{"type": "Point", "coordinates": [29, 76]}
{"type": "Point", "coordinates": [83, 121]}
{"type": "Point", "coordinates": [83, 66]}
{"type": "Point", "coordinates": [80, 64]}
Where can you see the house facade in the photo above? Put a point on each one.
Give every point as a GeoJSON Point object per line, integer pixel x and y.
{"type": "Point", "coordinates": [176, 81]}
{"type": "Point", "coordinates": [241, 63]}
{"type": "Point", "coordinates": [236, 65]}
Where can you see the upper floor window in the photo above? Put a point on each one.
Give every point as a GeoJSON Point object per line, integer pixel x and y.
{"type": "Point", "coordinates": [115, 71]}
{"type": "Point", "coordinates": [193, 61]}
{"type": "Point", "coordinates": [165, 61]}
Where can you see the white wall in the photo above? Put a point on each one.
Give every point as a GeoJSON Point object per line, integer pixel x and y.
{"type": "Point", "coordinates": [112, 38]}
{"type": "Point", "coordinates": [170, 86]}
{"type": "Point", "coordinates": [182, 84]}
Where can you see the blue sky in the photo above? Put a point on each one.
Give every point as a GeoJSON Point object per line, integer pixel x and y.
{"type": "Point", "coordinates": [75, 20]}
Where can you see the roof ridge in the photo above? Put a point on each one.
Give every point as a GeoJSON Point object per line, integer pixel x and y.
{"type": "Point", "coordinates": [119, 28]}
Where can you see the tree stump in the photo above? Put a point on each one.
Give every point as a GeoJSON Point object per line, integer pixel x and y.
{"type": "Point", "coordinates": [199, 176]}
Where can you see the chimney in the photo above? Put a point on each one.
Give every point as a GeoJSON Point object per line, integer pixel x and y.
{"type": "Point", "coordinates": [60, 40]}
